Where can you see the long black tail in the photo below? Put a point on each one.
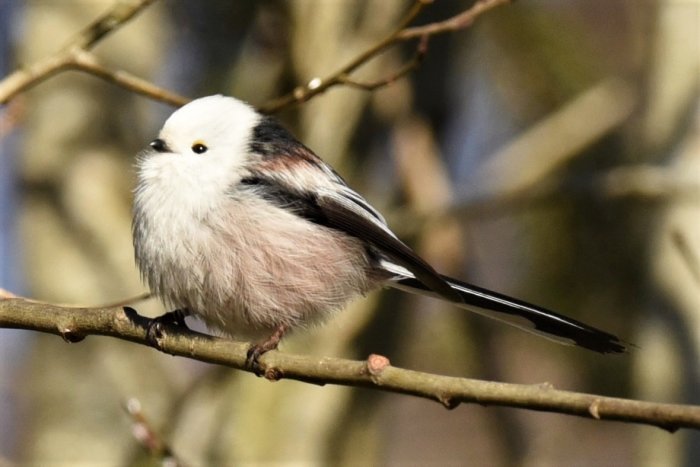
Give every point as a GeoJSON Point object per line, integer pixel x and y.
{"type": "Point", "coordinates": [530, 318]}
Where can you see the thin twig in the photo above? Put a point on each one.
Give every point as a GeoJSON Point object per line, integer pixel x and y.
{"type": "Point", "coordinates": [128, 301]}
{"type": "Point", "coordinates": [317, 85]}
{"type": "Point", "coordinates": [74, 324]}
{"type": "Point", "coordinates": [460, 21]}
{"type": "Point", "coordinates": [402, 33]}
{"type": "Point", "coordinates": [121, 12]}
{"type": "Point", "coordinates": [148, 437]}
{"type": "Point", "coordinates": [408, 67]}
{"type": "Point", "coordinates": [75, 55]}
{"type": "Point", "coordinates": [11, 116]}
{"type": "Point", "coordinates": [85, 61]}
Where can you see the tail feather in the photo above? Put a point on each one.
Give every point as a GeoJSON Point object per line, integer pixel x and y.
{"type": "Point", "coordinates": [530, 318]}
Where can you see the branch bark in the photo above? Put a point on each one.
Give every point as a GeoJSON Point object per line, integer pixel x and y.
{"type": "Point", "coordinates": [75, 323]}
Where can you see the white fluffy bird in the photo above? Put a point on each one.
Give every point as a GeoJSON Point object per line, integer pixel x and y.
{"type": "Point", "coordinates": [240, 224]}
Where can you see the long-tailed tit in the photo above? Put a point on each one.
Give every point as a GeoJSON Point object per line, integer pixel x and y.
{"type": "Point", "coordinates": [240, 224]}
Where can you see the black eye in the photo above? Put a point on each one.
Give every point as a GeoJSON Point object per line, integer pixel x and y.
{"type": "Point", "coordinates": [199, 148]}
{"type": "Point", "coordinates": [159, 145]}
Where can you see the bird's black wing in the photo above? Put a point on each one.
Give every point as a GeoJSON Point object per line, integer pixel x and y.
{"type": "Point", "coordinates": [291, 176]}
{"type": "Point", "coordinates": [340, 208]}
{"type": "Point", "coordinates": [347, 215]}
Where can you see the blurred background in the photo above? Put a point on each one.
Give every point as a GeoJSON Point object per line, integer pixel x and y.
{"type": "Point", "coordinates": [551, 152]}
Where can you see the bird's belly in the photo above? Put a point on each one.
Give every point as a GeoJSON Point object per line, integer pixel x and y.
{"type": "Point", "coordinates": [251, 270]}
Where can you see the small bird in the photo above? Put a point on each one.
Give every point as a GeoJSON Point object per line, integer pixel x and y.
{"type": "Point", "coordinates": [238, 223]}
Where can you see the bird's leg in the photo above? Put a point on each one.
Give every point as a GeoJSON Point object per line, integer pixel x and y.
{"type": "Point", "coordinates": [258, 349]}
{"type": "Point", "coordinates": [171, 318]}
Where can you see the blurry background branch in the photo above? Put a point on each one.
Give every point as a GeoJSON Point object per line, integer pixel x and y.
{"type": "Point", "coordinates": [317, 85]}
{"type": "Point", "coordinates": [73, 324]}
{"type": "Point", "coordinates": [455, 23]}
{"type": "Point", "coordinates": [645, 183]}
{"type": "Point", "coordinates": [148, 437]}
{"type": "Point", "coordinates": [642, 183]}
{"type": "Point", "coordinates": [75, 55]}
{"type": "Point", "coordinates": [689, 255]}
{"type": "Point", "coordinates": [522, 174]}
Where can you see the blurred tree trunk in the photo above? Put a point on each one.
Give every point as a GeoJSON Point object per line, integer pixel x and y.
{"type": "Point", "coordinates": [668, 132]}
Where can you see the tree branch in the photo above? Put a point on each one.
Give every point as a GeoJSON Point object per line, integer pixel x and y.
{"type": "Point", "coordinates": [75, 323]}
{"type": "Point", "coordinates": [408, 67]}
{"type": "Point", "coordinates": [402, 33]}
{"type": "Point", "coordinates": [75, 55]}
{"type": "Point", "coordinates": [455, 23]}
{"type": "Point", "coordinates": [121, 12]}
{"type": "Point", "coordinates": [82, 60]}
{"type": "Point", "coordinates": [149, 438]}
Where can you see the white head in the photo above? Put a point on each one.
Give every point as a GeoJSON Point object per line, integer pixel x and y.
{"type": "Point", "coordinates": [215, 122]}
{"type": "Point", "coordinates": [201, 148]}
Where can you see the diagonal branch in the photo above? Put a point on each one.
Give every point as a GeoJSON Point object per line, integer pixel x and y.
{"type": "Point", "coordinates": [402, 33]}
{"type": "Point", "coordinates": [455, 23]}
{"type": "Point", "coordinates": [75, 55]}
{"type": "Point", "coordinates": [74, 324]}
{"type": "Point", "coordinates": [120, 13]}
{"type": "Point", "coordinates": [82, 60]}
{"type": "Point", "coordinates": [148, 437]}
{"type": "Point", "coordinates": [408, 67]}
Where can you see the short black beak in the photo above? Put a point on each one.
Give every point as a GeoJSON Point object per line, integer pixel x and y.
{"type": "Point", "coordinates": [159, 145]}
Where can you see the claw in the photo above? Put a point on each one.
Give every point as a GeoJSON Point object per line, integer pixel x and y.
{"type": "Point", "coordinates": [156, 328]}
{"type": "Point", "coordinates": [252, 360]}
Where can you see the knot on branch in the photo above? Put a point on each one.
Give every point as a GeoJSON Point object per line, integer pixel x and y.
{"type": "Point", "coordinates": [594, 409]}
{"type": "Point", "coordinates": [273, 374]}
{"type": "Point", "coordinates": [376, 365]}
{"type": "Point", "coordinates": [70, 335]}
{"type": "Point", "coordinates": [448, 401]}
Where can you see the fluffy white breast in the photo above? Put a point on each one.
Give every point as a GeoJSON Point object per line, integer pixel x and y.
{"type": "Point", "coordinates": [179, 188]}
